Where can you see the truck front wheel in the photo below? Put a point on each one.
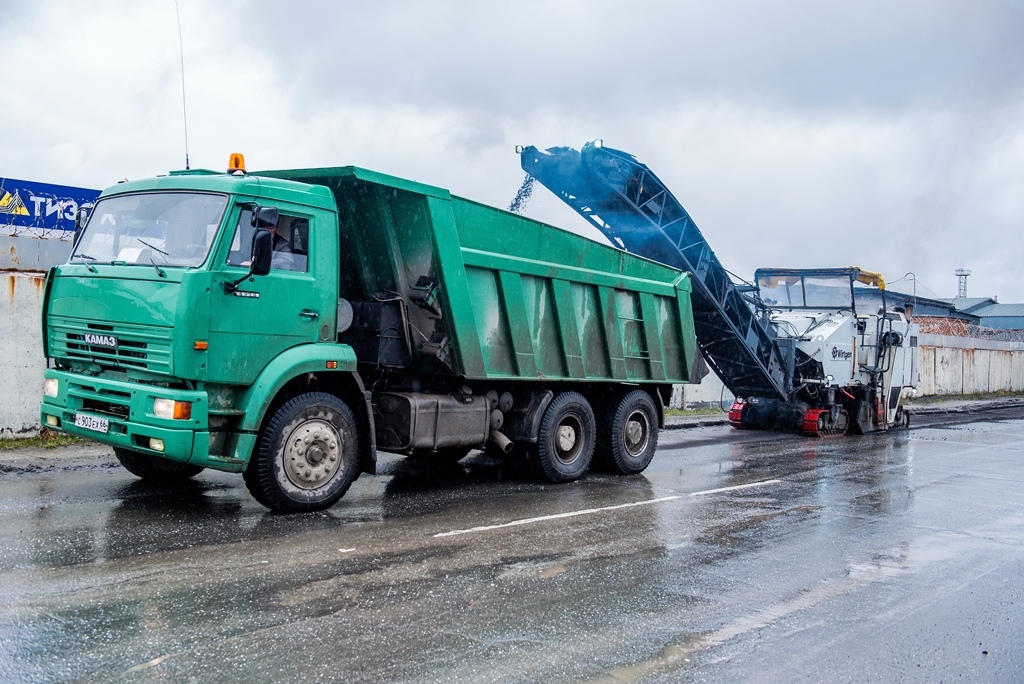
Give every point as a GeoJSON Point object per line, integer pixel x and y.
{"type": "Point", "coordinates": [565, 442]}
{"type": "Point", "coordinates": [628, 434]}
{"type": "Point", "coordinates": [154, 468]}
{"type": "Point", "coordinates": [308, 455]}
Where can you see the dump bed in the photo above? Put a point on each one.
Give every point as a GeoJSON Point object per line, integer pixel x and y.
{"type": "Point", "coordinates": [487, 294]}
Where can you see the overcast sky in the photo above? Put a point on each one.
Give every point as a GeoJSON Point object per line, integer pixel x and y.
{"type": "Point", "coordinates": [797, 133]}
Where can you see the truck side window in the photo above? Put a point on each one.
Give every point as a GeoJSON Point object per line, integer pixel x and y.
{"type": "Point", "coordinates": [291, 243]}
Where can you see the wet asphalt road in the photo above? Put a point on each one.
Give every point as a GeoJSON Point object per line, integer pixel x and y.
{"type": "Point", "coordinates": [876, 558]}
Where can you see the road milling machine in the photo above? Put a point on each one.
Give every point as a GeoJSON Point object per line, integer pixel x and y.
{"type": "Point", "coordinates": [817, 350]}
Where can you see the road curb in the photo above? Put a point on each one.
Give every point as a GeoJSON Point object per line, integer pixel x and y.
{"type": "Point", "coordinates": [968, 406]}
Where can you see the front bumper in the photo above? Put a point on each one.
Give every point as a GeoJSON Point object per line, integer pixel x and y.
{"type": "Point", "coordinates": [127, 408]}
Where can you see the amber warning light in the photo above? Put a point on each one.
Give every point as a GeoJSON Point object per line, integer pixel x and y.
{"type": "Point", "coordinates": [236, 163]}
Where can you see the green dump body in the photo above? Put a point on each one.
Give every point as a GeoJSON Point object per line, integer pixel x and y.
{"type": "Point", "coordinates": [500, 296]}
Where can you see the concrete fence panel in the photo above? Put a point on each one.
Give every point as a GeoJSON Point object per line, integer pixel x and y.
{"type": "Point", "coordinates": [927, 370]}
{"type": "Point", "coordinates": [1000, 377]}
{"type": "Point", "coordinates": [949, 370]}
{"type": "Point", "coordinates": [1017, 371]}
{"type": "Point", "coordinates": [709, 393]}
{"type": "Point", "coordinates": [21, 352]}
{"type": "Point", "coordinates": [979, 375]}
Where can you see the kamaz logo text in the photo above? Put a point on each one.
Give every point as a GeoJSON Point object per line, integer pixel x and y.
{"type": "Point", "coordinates": [100, 340]}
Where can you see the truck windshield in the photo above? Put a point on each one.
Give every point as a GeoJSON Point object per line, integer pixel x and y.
{"type": "Point", "coordinates": [162, 228]}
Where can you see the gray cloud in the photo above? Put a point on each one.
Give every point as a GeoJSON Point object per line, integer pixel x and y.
{"type": "Point", "coordinates": [511, 58]}
{"type": "Point", "coordinates": [797, 133]}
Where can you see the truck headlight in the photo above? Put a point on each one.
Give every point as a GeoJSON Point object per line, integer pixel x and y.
{"type": "Point", "coordinates": [50, 387]}
{"type": "Point", "coordinates": [175, 410]}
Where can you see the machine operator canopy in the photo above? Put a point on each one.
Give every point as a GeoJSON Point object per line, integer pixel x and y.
{"type": "Point", "coordinates": [819, 288]}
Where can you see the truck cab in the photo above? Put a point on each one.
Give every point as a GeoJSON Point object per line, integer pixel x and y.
{"type": "Point", "coordinates": [157, 326]}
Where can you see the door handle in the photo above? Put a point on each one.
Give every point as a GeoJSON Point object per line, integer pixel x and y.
{"type": "Point", "coordinates": [311, 315]}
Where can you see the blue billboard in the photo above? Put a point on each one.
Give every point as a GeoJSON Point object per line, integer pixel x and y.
{"type": "Point", "coordinates": [41, 209]}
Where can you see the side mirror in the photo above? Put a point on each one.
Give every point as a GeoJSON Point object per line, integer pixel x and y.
{"type": "Point", "coordinates": [259, 261]}
{"type": "Point", "coordinates": [262, 251]}
{"type": "Point", "coordinates": [264, 217]}
{"type": "Point", "coordinates": [81, 218]}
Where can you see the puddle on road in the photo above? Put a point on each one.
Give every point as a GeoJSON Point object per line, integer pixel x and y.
{"type": "Point", "coordinates": [553, 571]}
{"type": "Point", "coordinates": [907, 558]}
{"type": "Point", "coordinates": [729, 534]}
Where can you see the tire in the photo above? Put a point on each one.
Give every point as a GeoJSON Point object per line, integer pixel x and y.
{"type": "Point", "coordinates": [628, 435]}
{"type": "Point", "coordinates": [154, 468]}
{"type": "Point", "coordinates": [307, 456]}
{"type": "Point", "coordinates": [565, 442]}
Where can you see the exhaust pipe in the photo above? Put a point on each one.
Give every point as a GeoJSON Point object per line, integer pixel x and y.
{"type": "Point", "coordinates": [501, 441]}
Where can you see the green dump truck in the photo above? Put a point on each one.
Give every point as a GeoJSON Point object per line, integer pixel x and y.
{"type": "Point", "coordinates": [288, 324]}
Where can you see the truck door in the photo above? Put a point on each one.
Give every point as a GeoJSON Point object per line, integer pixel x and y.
{"type": "Point", "coordinates": [267, 314]}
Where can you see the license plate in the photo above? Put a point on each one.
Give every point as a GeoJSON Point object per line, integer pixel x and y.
{"type": "Point", "coordinates": [91, 422]}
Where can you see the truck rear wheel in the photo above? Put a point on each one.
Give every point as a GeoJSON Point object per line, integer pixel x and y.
{"type": "Point", "coordinates": [308, 455]}
{"type": "Point", "coordinates": [628, 434]}
{"type": "Point", "coordinates": [565, 442]}
{"type": "Point", "coordinates": [154, 468]}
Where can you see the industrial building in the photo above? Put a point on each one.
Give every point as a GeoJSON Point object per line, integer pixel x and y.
{"type": "Point", "coordinates": [984, 312]}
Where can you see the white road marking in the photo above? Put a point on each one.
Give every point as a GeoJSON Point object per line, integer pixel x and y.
{"type": "Point", "coordinates": [152, 663]}
{"type": "Point", "coordinates": [732, 489]}
{"type": "Point", "coordinates": [590, 511]}
{"type": "Point", "coordinates": [571, 514]}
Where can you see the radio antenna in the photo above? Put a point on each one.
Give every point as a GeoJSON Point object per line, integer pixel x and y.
{"type": "Point", "coordinates": [184, 109]}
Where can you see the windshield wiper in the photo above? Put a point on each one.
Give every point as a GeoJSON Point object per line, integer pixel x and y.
{"type": "Point", "coordinates": [152, 247]}
{"type": "Point", "coordinates": [87, 259]}
{"type": "Point", "coordinates": [159, 271]}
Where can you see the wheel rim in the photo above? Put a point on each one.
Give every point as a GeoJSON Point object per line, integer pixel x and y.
{"type": "Point", "coordinates": [312, 454]}
{"type": "Point", "coordinates": [637, 433]}
{"type": "Point", "coordinates": [568, 439]}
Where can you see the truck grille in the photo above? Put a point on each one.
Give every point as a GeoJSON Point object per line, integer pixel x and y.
{"type": "Point", "coordinates": [138, 346]}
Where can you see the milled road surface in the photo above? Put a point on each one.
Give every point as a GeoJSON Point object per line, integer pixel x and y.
{"type": "Point", "coordinates": [738, 556]}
